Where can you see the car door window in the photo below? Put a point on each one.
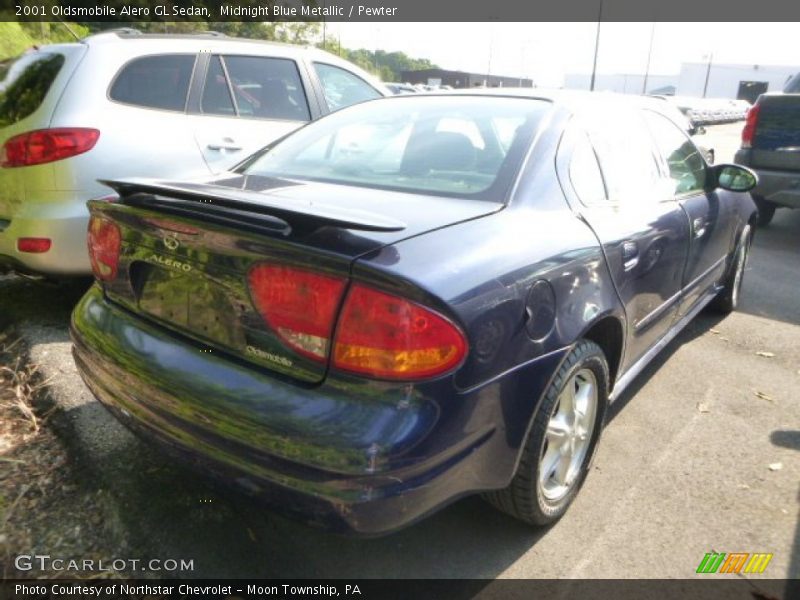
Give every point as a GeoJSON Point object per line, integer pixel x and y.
{"type": "Point", "coordinates": [216, 98]}
{"type": "Point", "coordinates": [267, 88]}
{"type": "Point", "coordinates": [685, 164]}
{"type": "Point", "coordinates": [627, 158]}
{"type": "Point", "coordinates": [160, 81]}
{"type": "Point", "coordinates": [343, 88]}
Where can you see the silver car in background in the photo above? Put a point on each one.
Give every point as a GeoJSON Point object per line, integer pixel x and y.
{"type": "Point", "coordinates": [122, 104]}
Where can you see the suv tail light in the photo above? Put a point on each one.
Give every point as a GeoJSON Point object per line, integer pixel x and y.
{"type": "Point", "coordinates": [104, 240]}
{"type": "Point", "coordinates": [299, 305]}
{"type": "Point", "coordinates": [751, 121]}
{"type": "Point", "coordinates": [386, 336]}
{"type": "Point", "coordinates": [47, 145]}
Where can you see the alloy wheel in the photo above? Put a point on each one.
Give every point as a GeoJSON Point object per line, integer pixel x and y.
{"type": "Point", "coordinates": [568, 436]}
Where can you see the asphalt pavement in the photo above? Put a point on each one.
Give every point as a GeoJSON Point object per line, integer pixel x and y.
{"type": "Point", "coordinates": [701, 454]}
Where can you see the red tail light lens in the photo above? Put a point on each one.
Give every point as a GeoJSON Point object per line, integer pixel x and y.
{"type": "Point", "coordinates": [34, 245]}
{"type": "Point", "coordinates": [104, 241]}
{"type": "Point", "coordinates": [385, 336]}
{"type": "Point", "coordinates": [749, 131]}
{"type": "Point", "coordinates": [299, 305]}
{"type": "Point", "coordinates": [47, 145]}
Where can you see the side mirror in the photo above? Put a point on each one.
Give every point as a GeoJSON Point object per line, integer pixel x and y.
{"type": "Point", "coordinates": [700, 130]}
{"type": "Point", "coordinates": [734, 178]}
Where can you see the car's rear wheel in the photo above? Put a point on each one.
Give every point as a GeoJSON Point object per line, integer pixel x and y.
{"type": "Point", "coordinates": [727, 299]}
{"type": "Point", "coordinates": [562, 440]}
{"type": "Point", "coordinates": [766, 210]}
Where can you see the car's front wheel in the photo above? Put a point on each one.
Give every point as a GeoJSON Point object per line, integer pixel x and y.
{"type": "Point", "coordinates": [727, 299]}
{"type": "Point", "coordinates": [562, 440]}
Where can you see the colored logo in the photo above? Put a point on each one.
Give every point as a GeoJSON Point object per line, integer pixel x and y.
{"type": "Point", "coordinates": [734, 562]}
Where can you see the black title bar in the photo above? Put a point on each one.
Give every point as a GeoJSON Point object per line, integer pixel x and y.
{"type": "Point", "coordinates": [129, 11]}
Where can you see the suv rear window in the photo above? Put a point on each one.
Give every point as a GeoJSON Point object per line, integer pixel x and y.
{"type": "Point", "coordinates": [155, 81]}
{"type": "Point", "coordinates": [26, 81]}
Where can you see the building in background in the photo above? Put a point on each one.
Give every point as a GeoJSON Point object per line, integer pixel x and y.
{"type": "Point", "coordinates": [724, 81]}
{"type": "Point", "coordinates": [733, 81]}
{"type": "Point", "coordinates": [460, 79]}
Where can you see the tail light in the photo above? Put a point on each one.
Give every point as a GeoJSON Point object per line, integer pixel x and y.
{"type": "Point", "coordinates": [299, 305]}
{"type": "Point", "coordinates": [47, 145]}
{"type": "Point", "coordinates": [104, 240]}
{"type": "Point", "coordinates": [34, 245]}
{"type": "Point", "coordinates": [378, 334]}
{"type": "Point", "coordinates": [389, 337]}
{"type": "Point", "coordinates": [751, 121]}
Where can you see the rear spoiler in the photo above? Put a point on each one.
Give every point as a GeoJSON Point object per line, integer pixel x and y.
{"type": "Point", "coordinates": [231, 203]}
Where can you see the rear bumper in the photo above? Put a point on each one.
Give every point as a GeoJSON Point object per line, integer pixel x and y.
{"type": "Point", "coordinates": [779, 187]}
{"type": "Point", "coordinates": [359, 458]}
{"type": "Point", "coordinates": [63, 221]}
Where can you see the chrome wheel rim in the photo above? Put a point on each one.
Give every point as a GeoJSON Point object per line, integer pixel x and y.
{"type": "Point", "coordinates": [568, 435]}
{"type": "Point", "coordinates": [737, 277]}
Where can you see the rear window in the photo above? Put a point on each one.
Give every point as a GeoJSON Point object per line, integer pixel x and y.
{"type": "Point", "coordinates": [469, 147]}
{"type": "Point", "coordinates": [25, 83]}
{"type": "Point", "coordinates": [160, 82]}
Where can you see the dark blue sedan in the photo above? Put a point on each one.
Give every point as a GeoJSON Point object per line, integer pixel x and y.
{"type": "Point", "coordinates": [410, 300]}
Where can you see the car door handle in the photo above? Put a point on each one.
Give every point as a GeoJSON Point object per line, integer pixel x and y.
{"type": "Point", "coordinates": [225, 144]}
{"type": "Point", "coordinates": [699, 227]}
{"type": "Point", "coordinates": [630, 255]}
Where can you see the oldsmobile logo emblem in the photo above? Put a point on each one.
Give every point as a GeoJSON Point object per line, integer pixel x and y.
{"type": "Point", "coordinates": [171, 243]}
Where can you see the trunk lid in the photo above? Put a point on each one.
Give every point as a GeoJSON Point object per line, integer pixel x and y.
{"type": "Point", "coordinates": [187, 249]}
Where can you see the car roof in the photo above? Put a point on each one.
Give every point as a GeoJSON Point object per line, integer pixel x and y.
{"type": "Point", "coordinates": [206, 40]}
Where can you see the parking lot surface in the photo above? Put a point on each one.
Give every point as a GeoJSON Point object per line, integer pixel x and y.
{"type": "Point", "coordinates": [701, 454]}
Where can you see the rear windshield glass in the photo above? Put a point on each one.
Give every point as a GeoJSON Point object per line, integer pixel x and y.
{"type": "Point", "coordinates": [155, 81]}
{"type": "Point", "coordinates": [25, 83]}
{"type": "Point", "coordinates": [467, 146]}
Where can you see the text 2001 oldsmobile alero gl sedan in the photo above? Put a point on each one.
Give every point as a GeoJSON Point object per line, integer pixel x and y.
{"type": "Point", "coordinates": [410, 300]}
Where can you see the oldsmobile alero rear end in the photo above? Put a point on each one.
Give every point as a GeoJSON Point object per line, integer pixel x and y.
{"type": "Point", "coordinates": [410, 300]}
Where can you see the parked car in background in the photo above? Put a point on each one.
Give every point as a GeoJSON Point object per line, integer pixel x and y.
{"type": "Point", "coordinates": [771, 147]}
{"type": "Point", "coordinates": [410, 300]}
{"type": "Point", "coordinates": [401, 88]}
{"type": "Point", "coordinates": [122, 103]}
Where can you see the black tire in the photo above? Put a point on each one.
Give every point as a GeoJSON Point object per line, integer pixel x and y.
{"type": "Point", "coordinates": [525, 497]}
{"type": "Point", "coordinates": [727, 299]}
{"type": "Point", "coordinates": [766, 210]}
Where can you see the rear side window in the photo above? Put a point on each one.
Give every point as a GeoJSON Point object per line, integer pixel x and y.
{"type": "Point", "coordinates": [584, 172]}
{"type": "Point", "coordinates": [25, 83]}
{"type": "Point", "coordinates": [160, 81]}
{"type": "Point", "coordinates": [343, 88]}
{"type": "Point", "coordinates": [266, 88]}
